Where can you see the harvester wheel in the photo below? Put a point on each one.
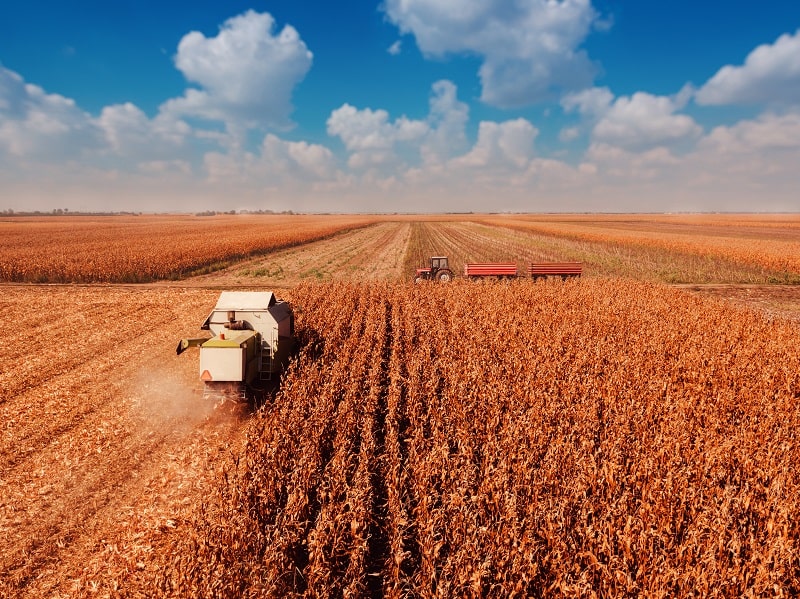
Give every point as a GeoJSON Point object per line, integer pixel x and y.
{"type": "Point", "coordinates": [444, 276]}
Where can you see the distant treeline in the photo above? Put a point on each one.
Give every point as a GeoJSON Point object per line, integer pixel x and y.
{"type": "Point", "coordinates": [68, 212]}
{"type": "Point", "coordinates": [63, 212]}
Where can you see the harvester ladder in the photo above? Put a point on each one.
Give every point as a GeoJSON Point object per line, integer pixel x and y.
{"type": "Point", "coordinates": [265, 359]}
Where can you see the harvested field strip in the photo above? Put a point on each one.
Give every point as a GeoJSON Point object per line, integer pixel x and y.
{"type": "Point", "coordinates": [544, 439]}
{"type": "Point", "coordinates": [373, 252]}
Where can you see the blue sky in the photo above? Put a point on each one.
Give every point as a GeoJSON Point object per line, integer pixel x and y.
{"type": "Point", "coordinates": [401, 105]}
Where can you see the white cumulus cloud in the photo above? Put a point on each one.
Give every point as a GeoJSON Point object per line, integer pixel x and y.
{"type": "Point", "coordinates": [37, 124]}
{"type": "Point", "coordinates": [530, 50]}
{"type": "Point", "coordinates": [38, 127]}
{"type": "Point", "coordinates": [435, 150]}
{"type": "Point", "coordinates": [594, 102]}
{"type": "Point", "coordinates": [299, 157]}
{"type": "Point", "coordinates": [447, 121]}
{"type": "Point", "coordinates": [368, 129]}
{"type": "Point", "coordinates": [770, 74]}
{"type": "Point", "coordinates": [280, 173]}
{"type": "Point", "coordinates": [246, 74]}
{"type": "Point", "coordinates": [637, 122]}
{"type": "Point", "coordinates": [501, 145]}
{"type": "Point", "coordinates": [767, 133]}
{"type": "Point", "coordinates": [371, 137]}
{"type": "Point", "coordinates": [129, 132]}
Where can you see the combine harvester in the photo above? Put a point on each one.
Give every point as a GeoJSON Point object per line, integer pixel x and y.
{"type": "Point", "coordinates": [439, 270]}
{"type": "Point", "coordinates": [253, 339]}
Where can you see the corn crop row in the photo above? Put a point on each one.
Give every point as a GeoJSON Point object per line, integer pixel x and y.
{"type": "Point", "coordinates": [591, 438]}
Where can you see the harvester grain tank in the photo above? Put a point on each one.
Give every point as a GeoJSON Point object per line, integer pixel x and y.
{"type": "Point", "coordinates": [253, 338]}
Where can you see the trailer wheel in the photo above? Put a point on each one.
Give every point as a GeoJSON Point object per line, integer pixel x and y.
{"type": "Point", "coordinates": [444, 276]}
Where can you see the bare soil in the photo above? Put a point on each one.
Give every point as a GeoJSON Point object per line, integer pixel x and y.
{"type": "Point", "coordinates": [376, 252]}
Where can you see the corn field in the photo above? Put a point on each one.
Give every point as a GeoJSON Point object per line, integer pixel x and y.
{"type": "Point", "coordinates": [606, 437]}
{"type": "Point", "coordinates": [765, 242]}
{"type": "Point", "coordinates": [134, 249]}
{"type": "Point", "coordinates": [603, 438]}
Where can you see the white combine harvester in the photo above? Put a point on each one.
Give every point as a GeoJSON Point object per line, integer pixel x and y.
{"type": "Point", "coordinates": [253, 338]}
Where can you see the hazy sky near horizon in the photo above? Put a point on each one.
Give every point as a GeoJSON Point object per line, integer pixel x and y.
{"type": "Point", "coordinates": [400, 105]}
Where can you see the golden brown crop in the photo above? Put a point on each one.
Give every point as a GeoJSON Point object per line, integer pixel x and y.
{"type": "Point", "coordinates": [146, 248]}
{"type": "Point", "coordinates": [770, 242]}
{"type": "Point", "coordinates": [592, 438]}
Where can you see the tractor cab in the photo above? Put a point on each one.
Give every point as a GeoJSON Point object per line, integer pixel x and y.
{"type": "Point", "coordinates": [439, 263]}
{"type": "Point", "coordinates": [439, 270]}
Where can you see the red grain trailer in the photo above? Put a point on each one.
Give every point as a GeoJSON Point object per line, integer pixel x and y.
{"type": "Point", "coordinates": [555, 269]}
{"type": "Point", "coordinates": [500, 270]}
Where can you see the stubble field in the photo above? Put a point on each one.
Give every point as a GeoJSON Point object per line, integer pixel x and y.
{"type": "Point", "coordinates": [609, 436]}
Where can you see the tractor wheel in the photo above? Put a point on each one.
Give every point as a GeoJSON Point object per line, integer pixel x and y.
{"type": "Point", "coordinates": [418, 279]}
{"type": "Point", "coordinates": [444, 276]}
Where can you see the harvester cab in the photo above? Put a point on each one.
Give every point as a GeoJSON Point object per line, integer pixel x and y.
{"type": "Point", "coordinates": [253, 338]}
{"type": "Point", "coordinates": [439, 270]}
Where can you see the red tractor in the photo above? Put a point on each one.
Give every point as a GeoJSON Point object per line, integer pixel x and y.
{"type": "Point", "coordinates": [438, 271]}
